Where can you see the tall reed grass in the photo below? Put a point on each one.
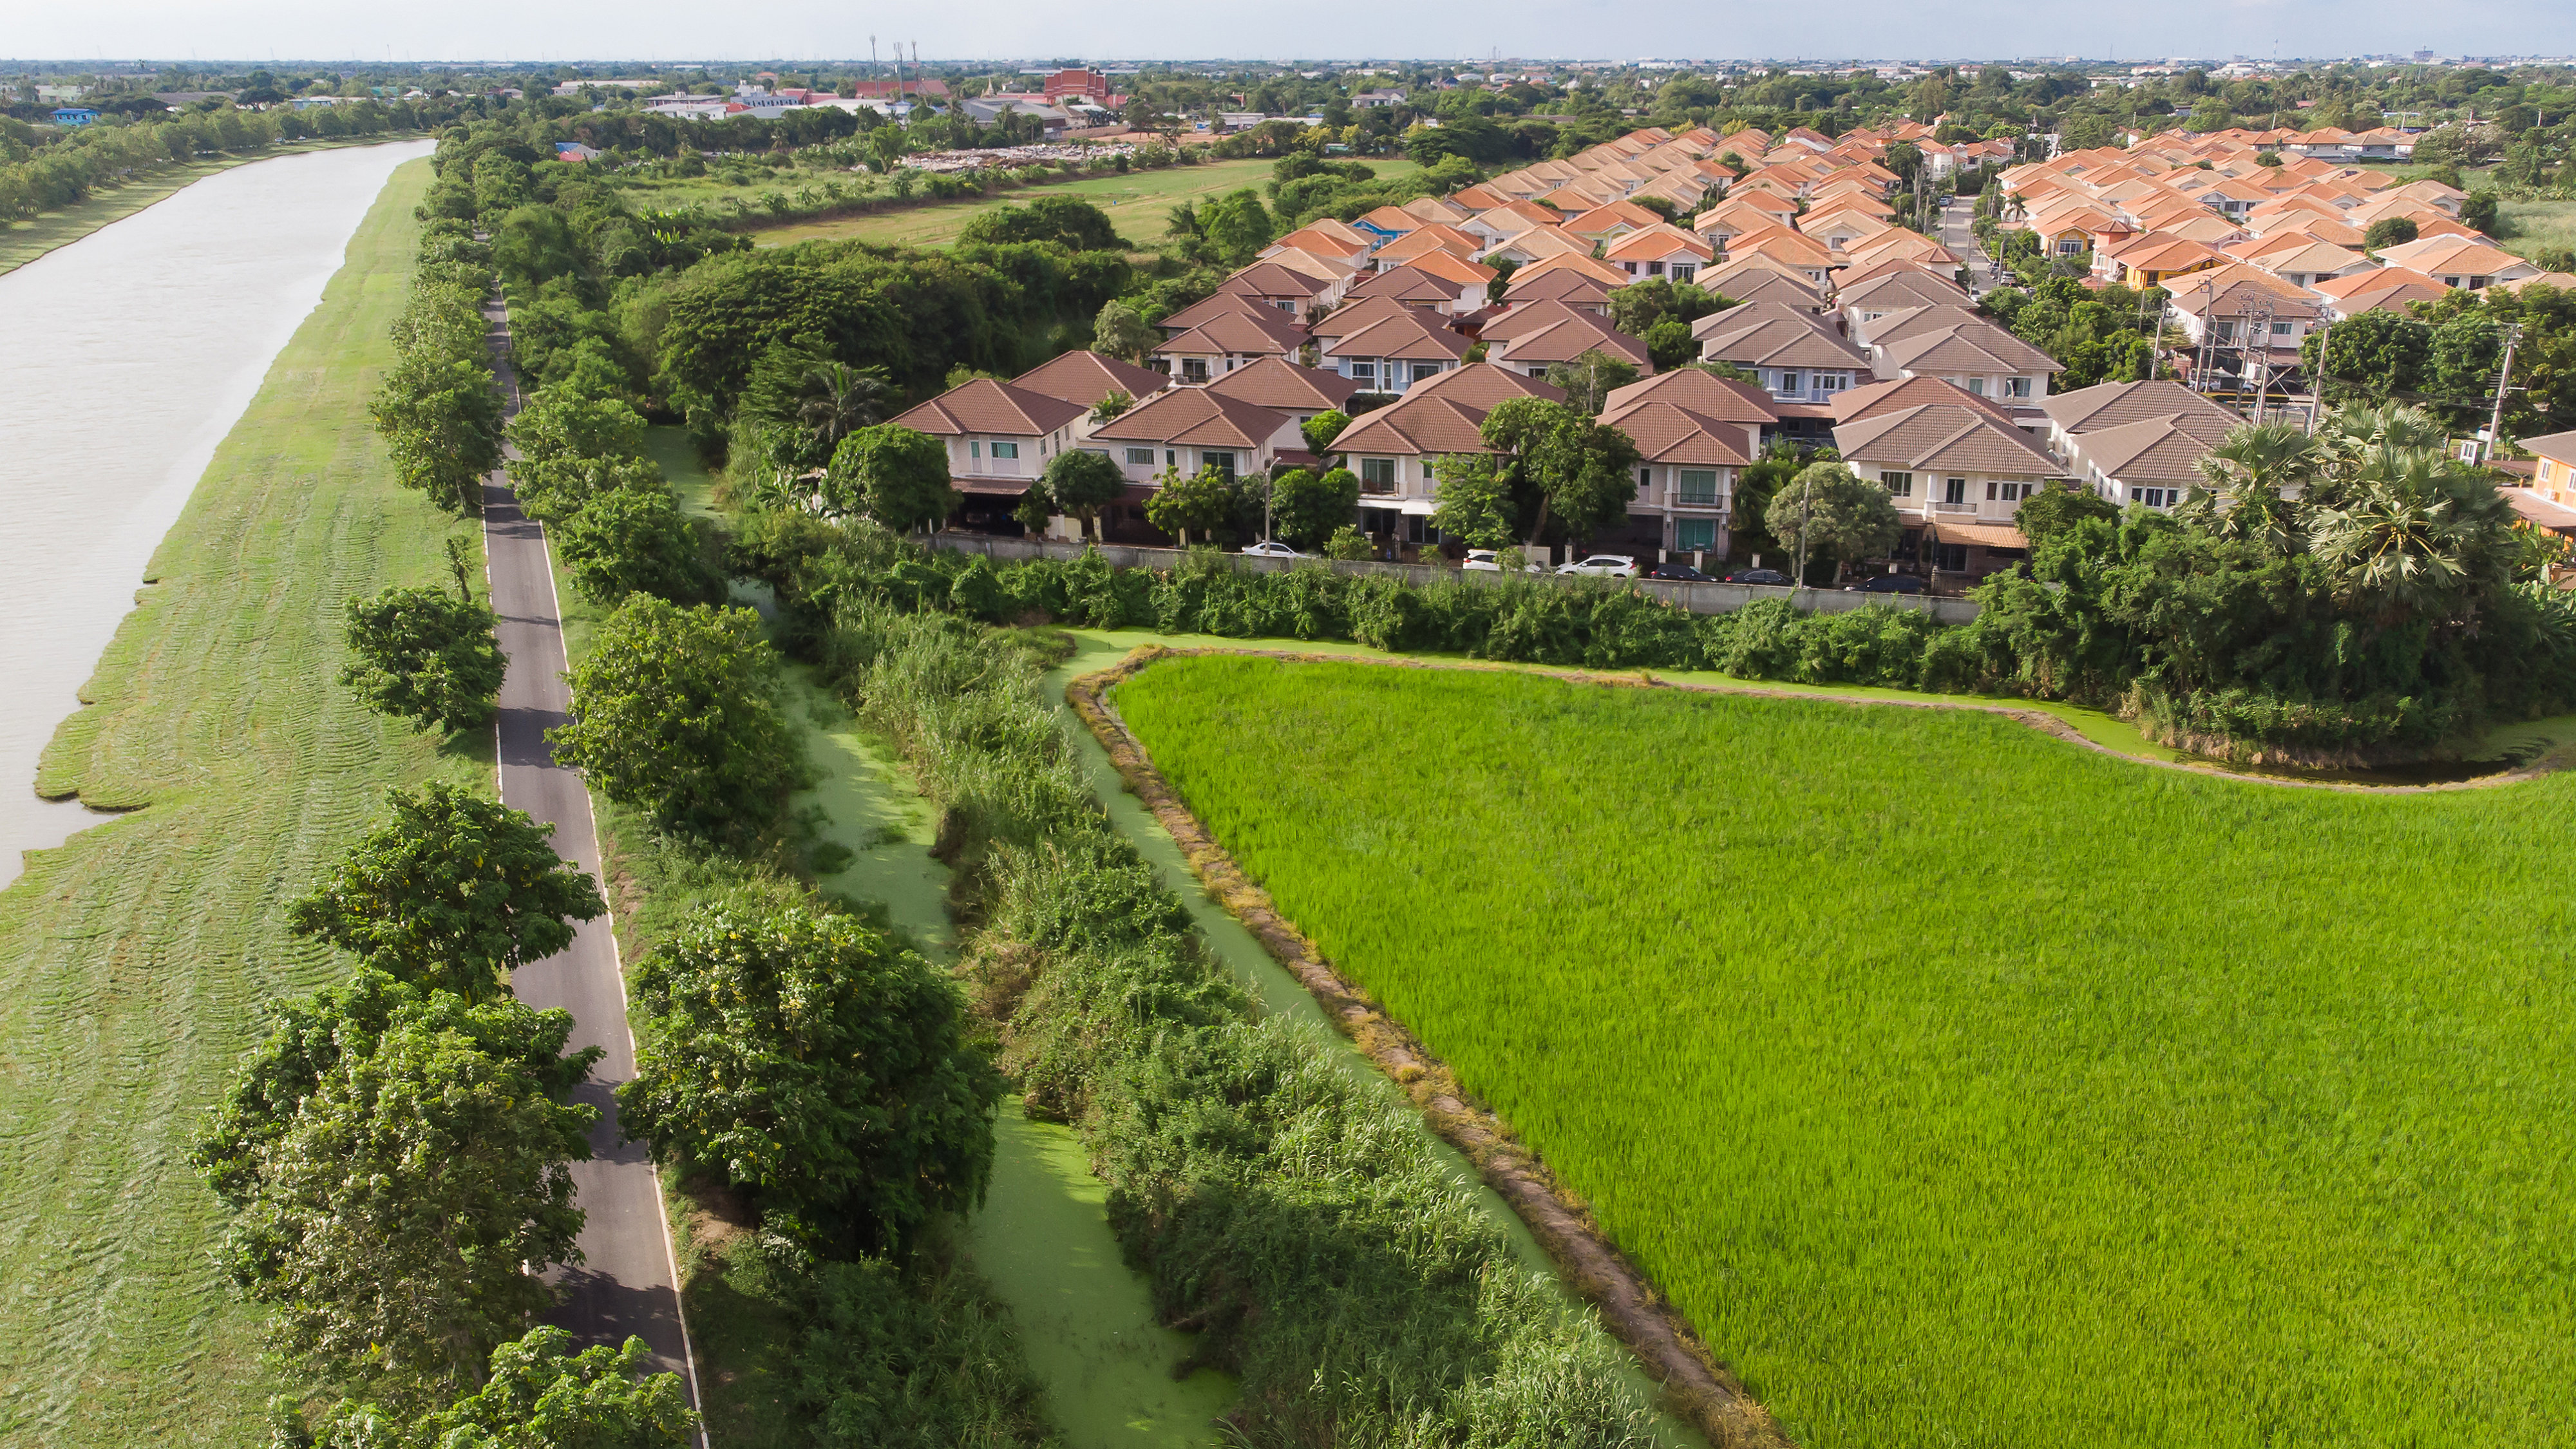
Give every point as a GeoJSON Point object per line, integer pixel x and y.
{"type": "Point", "coordinates": [1961, 1086]}
{"type": "Point", "coordinates": [1293, 1212]}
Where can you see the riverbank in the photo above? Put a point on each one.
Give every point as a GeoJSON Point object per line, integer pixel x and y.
{"type": "Point", "coordinates": [24, 241]}
{"type": "Point", "coordinates": [134, 960]}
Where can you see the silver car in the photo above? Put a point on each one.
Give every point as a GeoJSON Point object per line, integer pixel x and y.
{"type": "Point", "coordinates": [1602, 566]}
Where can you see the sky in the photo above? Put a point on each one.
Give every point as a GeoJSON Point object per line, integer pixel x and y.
{"type": "Point", "coordinates": [574, 30]}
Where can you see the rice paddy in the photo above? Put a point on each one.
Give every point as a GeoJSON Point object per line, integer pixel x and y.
{"type": "Point", "coordinates": [1960, 1085]}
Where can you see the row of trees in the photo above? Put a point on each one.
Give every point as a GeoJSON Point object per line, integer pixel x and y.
{"type": "Point", "coordinates": [439, 407]}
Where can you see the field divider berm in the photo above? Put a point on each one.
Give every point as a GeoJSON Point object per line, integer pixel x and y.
{"type": "Point", "coordinates": [1698, 1389]}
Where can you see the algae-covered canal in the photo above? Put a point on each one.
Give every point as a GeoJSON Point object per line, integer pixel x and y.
{"type": "Point", "coordinates": [1043, 1239]}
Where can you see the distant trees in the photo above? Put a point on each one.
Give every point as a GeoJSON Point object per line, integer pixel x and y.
{"type": "Point", "coordinates": [2389, 231]}
{"type": "Point", "coordinates": [425, 655]}
{"type": "Point", "coordinates": [1067, 220]}
{"type": "Point", "coordinates": [451, 892]}
{"type": "Point", "coordinates": [1120, 331]}
{"type": "Point", "coordinates": [807, 1058]}
{"type": "Point", "coordinates": [674, 713]}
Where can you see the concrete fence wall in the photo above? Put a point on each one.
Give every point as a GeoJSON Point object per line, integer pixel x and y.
{"type": "Point", "coordinates": [1698, 598]}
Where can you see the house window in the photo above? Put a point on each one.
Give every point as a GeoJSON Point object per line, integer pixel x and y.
{"type": "Point", "coordinates": [1426, 470]}
{"type": "Point", "coordinates": [1788, 382]}
{"type": "Point", "coordinates": [1171, 458]}
{"type": "Point", "coordinates": [1695, 535]}
{"type": "Point", "coordinates": [1654, 269]}
{"type": "Point", "coordinates": [1290, 307]}
{"type": "Point", "coordinates": [2156, 497]}
{"type": "Point", "coordinates": [2011, 492]}
{"type": "Point", "coordinates": [1646, 478]}
{"type": "Point", "coordinates": [2016, 387]}
{"type": "Point", "coordinates": [1194, 369]}
{"type": "Point", "coordinates": [2280, 329]}
{"type": "Point", "coordinates": [1696, 485]}
{"type": "Point", "coordinates": [1954, 490]}
{"type": "Point", "coordinates": [2226, 331]}
{"type": "Point", "coordinates": [1684, 271]}
{"type": "Point", "coordinates": [974, 448]}
{"type": "Point", "coordinates": [1899, 485]}
{"type": "Point", "coordinates": [1977, 386]}
{"type": "Point", "coordinates": [1377, 475]}
{"type": "Point", "coordinates": [1363, 371]}
{"type": "Point", "coordinates": [1223, 463]}
{"type": "Point", "coordinates": [1832, 381]}
{"type": "Point", "coordinates": [1141, 457]}
{"type": "Point", "coordinates": [1006, 450]}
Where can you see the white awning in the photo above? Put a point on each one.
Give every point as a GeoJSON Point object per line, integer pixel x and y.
{"type": "Point", "coordinates": [1410, 507]}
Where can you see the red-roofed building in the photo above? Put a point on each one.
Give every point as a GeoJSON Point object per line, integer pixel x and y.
{"type": "Point", "coordinates": [1080, 85]}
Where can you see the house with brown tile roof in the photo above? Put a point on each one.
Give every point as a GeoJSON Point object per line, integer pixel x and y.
{"type": "Point", "coordinates": [1390, 354]}
{"type": "Point", "coordinates": [1898, 287]}
{"type": "Point", "coordinates": [1531, 339]}
{"type": "Point", "coordinates": [1295, 393]}
{"type": "Point", "coordinates": [1955, 473]}
{"type": "Point", "coordinates": [1394, 449]}
{"type": "Point", "coordinates": [1280, 288]}
{"type": "Point", "coordinates": [998, 435]}
{"type": "Point", "coordinates": [1436, 211]}
{"type": "Point", "coordinates": [1798, 356]}
{"type": "Point", "coordinates": [1959, 346]}
{"type": "Point", "coordinates": [1575, 287]}
{"type": "Point", "coordinates": [1219, 345]}
{"type": "Point", "coordinates": [1084, 378]}
{"type": "Point", "coordinates": [1759, 279]}
{"type": "Point", "coordinates": [1899, 394]}
{"type": "Point", "coordinates": [1688, 464]}
{"type": "Point", "coordinates": [2136, 442]}
{"type": "Point", "coordinates": [1497, 225]}
{"type": "Point", "coordinates": [1424, 285]}
{"type": "Point", "coordinates": [1190, 428]}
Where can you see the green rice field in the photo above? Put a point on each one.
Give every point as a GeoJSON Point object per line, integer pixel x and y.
{"type": "Point", "coordinates": [1961, 1085]}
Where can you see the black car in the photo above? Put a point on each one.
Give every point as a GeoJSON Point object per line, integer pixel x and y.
{"type": "Point", "coordinates": [1757, 576]}
{"type": "Point", "coordinates": [1680, 573]}
{"type": "Point", "coordinates": [1888, 584]}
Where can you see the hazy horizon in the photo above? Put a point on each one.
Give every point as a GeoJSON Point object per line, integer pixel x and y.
{"type": "Point", "coordinates": [102, 34]}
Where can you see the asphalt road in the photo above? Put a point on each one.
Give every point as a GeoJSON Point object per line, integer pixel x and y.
{"type": "Point", "coordinates": [1959, 236]}
{"type": "Point", "coordinates": [627, 1282]}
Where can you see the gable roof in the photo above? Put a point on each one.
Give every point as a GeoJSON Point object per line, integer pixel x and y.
{"type": "Point", "coordinates": [2164, 449]}
{"type": "Point", "coordinates": [1404, 337]}
{"type": "Point", "coordinates": [1666, 432]}
{"type": "Point", "coordinates": [1942, 436]}
{"type": "Point", "coordinates": [1084, 378]}
{"type": "Point", "coordinates": [1441, 414]}
{"type": "Point", "coordinates": [1902, 393]}
{"type": "Point", "coordinates": [1706, 394]}
{"type": "Point", "coordinates": [1555, 332]}
{"type": "Point", "coordinates": [1196, 416]}
{"type": "Point", "coordinates": [1771, 341]}
{"type": "Point", "coordinates": [2114, 404]}
{"type": "Point", "coordinates": [1656, 242]}
{"type": "Point", "coordinates": [1283, 386]}
{"type": "Point", "coordinates": [986, 406]}
{"type": "Point", "coordinates": [1269, 279]}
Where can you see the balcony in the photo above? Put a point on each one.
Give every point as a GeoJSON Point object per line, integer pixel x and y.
{"type": "Point", "coordinates": [1961, 510]}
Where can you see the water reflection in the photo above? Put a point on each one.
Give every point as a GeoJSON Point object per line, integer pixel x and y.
{"type": "Point", "coordinates": [124, 359]}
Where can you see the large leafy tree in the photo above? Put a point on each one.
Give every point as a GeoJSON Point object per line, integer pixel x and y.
{"type": "Point", "coordinates": [555, 489]}
{"type": "Point", "coordinates": [1589, 380]}
{"type": "Point", "coordinates": [898, 476]}
{"type": "Point", "coordinates": [425, 655]}
{"type": "Point", "coordinates": [545, 1394]}
{"type": "Point", "coordinates": [2372, 357]}
{"type": "Point", "coordinates": [1308, 506]}
{"type": "Point", "coordinates": [1475, 501]}
{"type": "Point", "coordinates": [1204, 503]}
{"type": "Point", "coordinates": [1121, 331]}
{"type": "Point", "coordinates": [1564, 467]}
{"type": "Point", "coordinates": [675, 713]}
{"type": "Point", "coordinates": [441, 421]}
{"type": "Point", "coordinates": [450, 891]}
{"type": "Point", "coordinates": [397, 1161]}
{"type": "Point", "coordinates": [1828, 509]}
{"type": "Point", "coordinates": [634, 540]}
{"type": "Point", "coordinates": [1079, 483]}
{"type": "Point", "coordinates": [808, 1057]}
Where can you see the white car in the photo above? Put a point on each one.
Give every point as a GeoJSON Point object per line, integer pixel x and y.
{"type": "Point", "coordinates": [1489, 561]}
{"type": "Point", "coordinates": [1271, 548]}
{"type": "Point", "coordinates": [1603, 566]}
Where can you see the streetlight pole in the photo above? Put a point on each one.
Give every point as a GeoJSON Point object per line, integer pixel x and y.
{"type": "Point", "coordinates": [2504, 374]}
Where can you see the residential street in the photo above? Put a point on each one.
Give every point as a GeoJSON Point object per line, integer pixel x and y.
{"type": "Point", "coordinates": [627, 1283]}
{"type": "Point", "coordinates": [1957, 235]}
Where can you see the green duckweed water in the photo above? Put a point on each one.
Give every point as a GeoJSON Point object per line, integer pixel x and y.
{"type": "Point", "coordinates": [1043, 1239]}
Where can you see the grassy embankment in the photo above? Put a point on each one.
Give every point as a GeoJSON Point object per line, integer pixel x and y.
{"type": "Point", "coordinates": [135, 960]}
{"type": "Point", "coordinates": [2528, 225]}
{"type": "Point", "coordinates": [22, 242]}
{"type": "Point", "coordinates": [1962, 1086]}
{"type": "Point", "coordinates": [1138, 204]}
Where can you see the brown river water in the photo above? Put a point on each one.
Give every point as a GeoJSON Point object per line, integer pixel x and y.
{"type": "Point", "coordinates": [124, 359]}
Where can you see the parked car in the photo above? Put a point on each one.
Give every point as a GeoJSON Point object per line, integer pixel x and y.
{"type": "Point", "coordinates": [1271, 548]}
{"type": "Point", "coordinates": [1757, 576]}
{"type": "Point", "coordinates": [1602, 566]}
{"type": "Point", "coordinates": [1887, 584]}
{"type": "Point", "coordinates": [1489, 561]}
{"type": "Point", "coordinates": [1681, 573]}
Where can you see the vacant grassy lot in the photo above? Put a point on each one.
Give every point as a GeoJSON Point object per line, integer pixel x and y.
{"type": "Point", "coordinates": [135, 960]}
{"type": "Point", "coordinates": [1962, 1086]}
{"type": "Point", "coordinates": [1137, 203]}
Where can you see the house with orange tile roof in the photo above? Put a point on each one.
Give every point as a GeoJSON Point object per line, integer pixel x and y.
{"type": "Point", "coordinates": [2380, 289]}
{"type": "Point", "coordinates": [1535, 245]}
{"type": "Point", "coordinates": [1430, 237]}
{"type": "Point", "coordinates": [998, 435]}
{"type": "Point", "coordinates": [1604, 223]}
{"type": "Point", "coordinates": [1436, 280]}
{"type": "Point", "coordinates": [1591, 268]}
{"type": "Point", "coordinates": [2459, 262]}
{"type": "Point", "coordinates": [1282, 289]}
{"type": "Point", "coordinates": [1660, 250]}
{"type": "Point", "coordinates": [1396, 449]}
{"type": "Point", "coordinates": [1803, 255]}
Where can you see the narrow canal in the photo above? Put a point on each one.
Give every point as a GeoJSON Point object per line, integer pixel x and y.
{"type": "Point", "coordinates": [124, 359]}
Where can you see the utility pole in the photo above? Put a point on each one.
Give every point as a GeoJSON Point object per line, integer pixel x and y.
{"type": "Point", "coordinates": [2495, 419]}
{"type": "Point", "coordinates": [2317, 376]}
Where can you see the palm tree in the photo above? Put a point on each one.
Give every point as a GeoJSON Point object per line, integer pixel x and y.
{"type": "Point", "coordinates": [2250, 476]}
{"type": "Point", "coordinates": [1183, 221]}
{"type": "Point", "coordinates": [838, 400]}
{"type": "Point", "coordinates": [2394, 552]}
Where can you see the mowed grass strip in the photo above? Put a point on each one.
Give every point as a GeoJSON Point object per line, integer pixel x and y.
{"type": "Point", "coordinates": [1963, 1086]}
{"type": "Point", "coordinates": [134, 962]}
{"type": "Point", "coordinates": [1138, 203]}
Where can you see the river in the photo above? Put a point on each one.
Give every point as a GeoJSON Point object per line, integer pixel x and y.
{"type": "Point", "coordinates": [124, 359]}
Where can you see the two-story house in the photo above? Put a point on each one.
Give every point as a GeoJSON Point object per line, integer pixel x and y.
{"type": "Point", "coordinates": [1797, 354]}
{"type": "Point", "coordinates": [1382, 345]}
{"type": "Point", "coordinates": [1221, 334]}
{"type": "Point", "coordinates": [999, 436]}
{"type": "Point", "coordinates": [2136, 442]}
{"type": "Point", "coordinates": [1695, 434]}
{"type": "Point", "coordinates": [1661, 250]}
{"type": "Point", "coordinates": [1959, 346]}
{"type": "Point", "coordinates": [1957, 473]}
{"type": "Point", "coordinates": [1396, 450]}
{"type": "Point", "coordinates": [1531, 339]}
